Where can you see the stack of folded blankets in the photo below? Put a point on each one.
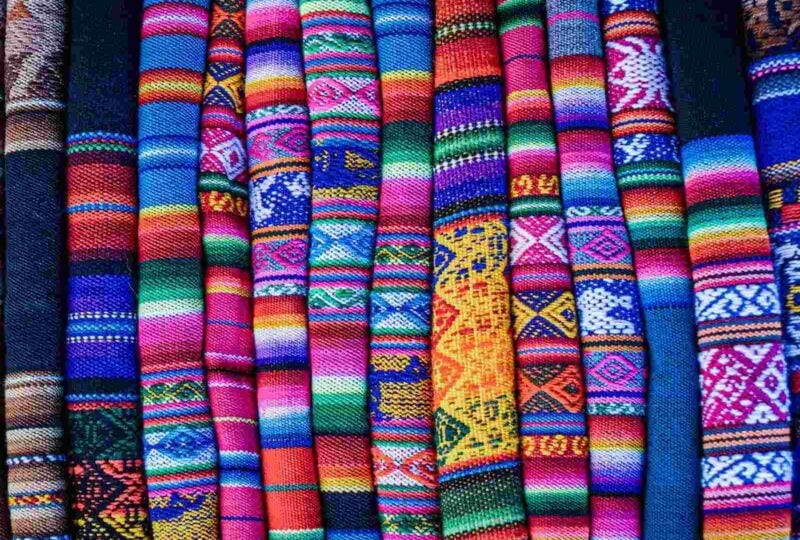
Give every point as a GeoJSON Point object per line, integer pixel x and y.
{"type": "Point", "coordinates": [400, 269]}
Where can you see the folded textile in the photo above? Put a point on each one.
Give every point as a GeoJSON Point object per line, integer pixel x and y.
{"type": "Point", "coordinates": [344, 104]}
{"type": "Point", "coordinates": [229, 350]}
{"type": "Point", "coordinates": [180, 450]}
{"type": "Point", "coordinates": [34, 305]}
{"type": "Point", "coordinates": [550, 388]}
{"type": "Point", "coordinates": [107, 492]}
{"type": "Point", "coordinates": [280, 170]}
{"type": "Point", "coordinates": [746, 465]}
{"type": "Point", "coordinates": [5, 525]}
{"type": "Point", "coordinates": [649, 177]}
{"type": "Point", "coordinates": [401, 395]}
{"type": "Point", "coordinates": [602, 266]}
{"type": "Point", "coordinates": [477, 443]}
{"type": "Point", "coordinates": [773, 40]}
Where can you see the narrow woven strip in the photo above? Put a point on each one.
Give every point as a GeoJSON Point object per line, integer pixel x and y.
{"type": "Point", "coordinates": [344, 102]}
{"type": "Point", "coordinates": [280, 168]}
{"type": "Point", "coordinates": [34, 325]}
{"type": "Point", "coordinates": [179, 446]}
{"type": "Point", "coordinates": [108, 497]}
{"type": "Point", "coordinates": [773, 39]}
{"type": "Point", "coordinates": [747, 464]}
{"type": "Point", "coordinates": [551, 394]}
{"type": "Point", "coordinates": [403, 455]}
{"type": "Point", "coordinates": [648, 169]}
{"type": "Point", "coordinates": [229, 349]}
{"type": "Point", "coordinates": [475, 413]}
{"type": "Point", "coordinates": [5, 524]}
{"type": "Point", "coordinates": [602, 266]}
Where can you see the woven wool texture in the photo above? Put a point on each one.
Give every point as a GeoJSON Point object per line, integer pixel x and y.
{"type": "Point", "coordinates": [648, 168]}
{"type": "Point", "coordinates": [472, 351]}
{"type": "Point", "coordinates": [550, 389]}
{"type": "Point", "coordinates": [229, 348]}
{"type": "Point", "coordinates": [344, 104]}
{"type": "Point", "coordinates": [401, 395]}
{"type": "Point", "coordinates": [746, 466]}
{"type": "Point", "coordinates": [5, 525]}
{"type": "Point", "coordinates": [773, 39]}
{"type": "Point", "coordinates": [107, 486]}
{"type": "Point", "coordinates": [280, 168]}
{"type": "Point", "coordinates": [179, 446]}
{"type": "Point", "coordinates": [602, 265]}
{"type": "Point", "coordinates": [34, 325]}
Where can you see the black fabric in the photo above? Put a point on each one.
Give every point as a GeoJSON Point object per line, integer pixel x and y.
{"type": "Point", "coordinates": [706, 57]}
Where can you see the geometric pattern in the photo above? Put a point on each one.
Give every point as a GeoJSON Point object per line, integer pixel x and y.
{"type": "Point", "coordinates": [538, 240]}
{"type": "Point", "coordinates": [738, 470]}
{"type": "Point", "coordinates": [344, 104]}
{"type": "Point", "coordinates": [751, 300]}
{"type": "Point", "coordinates": [279, 154]}
{"type": "Point", "coordinates": [113, 489]}
{"type": "Point", "coordinates": [638, 76]}
{"type": "Point", "coordinates": [550, 388]}
{"type": "Point", "coordinates": [545, 314]}
{"type": "Point", "coordinates": [602, 263]}
{"type": "Point", "coordinates": [551, 397]}
{"type": "Point", "coordinates": [228, 354]}
{"type": "Point", "coordinates": [744, 385]}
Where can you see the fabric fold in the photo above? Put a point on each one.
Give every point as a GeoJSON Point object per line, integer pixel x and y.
{"type": "Point", "coordinates": [747, 463]}
{"type": "Point", "coordinates": [35, 73]}
{"type": "Point", "coordinates": [550, 387]}
{"type": "Point", "coordinates": [609, 310]}
{"type": "Point", "coordinates": [5, 525]}
{"type": "Point", "coordinates": [773, 43]}
{"type": "Point", "coordinates": [401, 395]}
{"type": "Point", "coordinates": [475, 415]}
{"type": "Point", "coordinates": [280, 176]}
{"type": "Point", "coordinates": [344, 104]}
{"type": "Point", "coordinates": [180, 450]}
{"type": "Point", "coordinates": [648, 169]}
{"type": "Point", "coordinates": [229, 354]}
{"type": "Point", "coordinates": [108, 497]}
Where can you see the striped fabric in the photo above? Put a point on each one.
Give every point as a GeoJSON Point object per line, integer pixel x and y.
{"type": "Point", "coordinates": [401, 395]}
{"type": "Point", "coordinates": [472, 351]}
{"type": "Point", "coordinates": [179, 446]}
{"type": "Point", "coordinates": [645, 150]}
{"type": "Point", "coordinates": [551, 394]}
{"type": "Point", "coordinates": [280, 166]}
{"type": "Point", "coordinates": [774, 46]}
{"type": "Point", "coordinates": [107, 485]}
{"type": "Point", "coordinates": [229, 349]}
{"type": "Point", "coordinates": [5, 525]}
{"type": "Point", "coordinates": [747, 464]}
{"type": "Point", "coordinates": [344, 103]}
{"type": "Point", "coordinates": [33, 322]}
{"type": "Point", "coordinates": [602, 266]}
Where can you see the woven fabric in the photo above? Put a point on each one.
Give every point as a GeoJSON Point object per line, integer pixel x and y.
{"type": "Point", "coordinates": [602, 265]}
{"type": "Point", "coordinates": [773, 39]}
{"type": "Point", "coordinates": [401, 395]}
{"type": "Point", "coordinates": [280, 168]}
{"type": "Point", "coordinates": [107, 487]}
{"type": "Point", "coordinates": [179, 446]}
{"type": "Point", "coordinates": [551, 393]}
{"type": "Point", "coordinates": [648, 168]}
{"type": "Point", "coordinates": [5, 525]}
{"type": "Point", "coordinates": [747, 465]}
{"type": "Point", "coordinates": [229, 349]}
{"type": "Point", "coordinates": [344, 104]}
{"type": "Point", "coordinates": [34, 324]}
{"type": "Point", "coordinates": [475, 414]}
